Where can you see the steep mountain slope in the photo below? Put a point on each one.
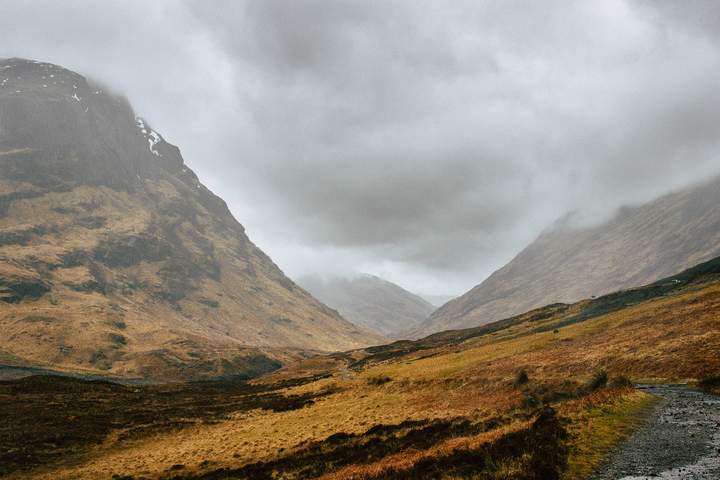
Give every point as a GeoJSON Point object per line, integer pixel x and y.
{"type": "Point", "coordinates": [371, 302]}
{"type": "Point", "coordinates": [638, 246]}
{"type": "Point", "coordinates": [114, 258]}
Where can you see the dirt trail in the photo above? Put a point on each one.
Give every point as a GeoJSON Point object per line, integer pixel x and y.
{"type": "Point", "coordinates": [680, 441]}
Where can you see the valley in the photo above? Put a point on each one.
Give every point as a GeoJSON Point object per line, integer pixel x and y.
{"type": "Point", "coordinates": [146, 335]}
{"type": "Point", "coordinates": [547, 391]}
{"type": "Point", "coordinates": [372, 303]}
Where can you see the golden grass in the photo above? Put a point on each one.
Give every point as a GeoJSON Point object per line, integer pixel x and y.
{"type": "Point", "coordinates": [669, 339]}
{"type": "Point", "coordinates": [674, 338]}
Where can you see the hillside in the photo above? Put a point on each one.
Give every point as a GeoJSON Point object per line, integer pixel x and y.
{"type": "Point", "coordinates": [459, 404]}
{"type": "Point", "coordinates": [115, 259]}
{"type": "Point", "coordinates": [371, 302]}
{"type": "Point", "coordinates": [638, 246]}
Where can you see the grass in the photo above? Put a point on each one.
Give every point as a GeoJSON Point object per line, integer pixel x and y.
{"type": "Point", "coordinates": [595, 431]}
{"type": "Point", "coordinates": [180, 323]}
{"type": "Point", "coordinates": [474, 379]}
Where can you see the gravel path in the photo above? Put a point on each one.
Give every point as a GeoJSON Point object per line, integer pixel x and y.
{"type": "Point", "coordinates": [680, 441]}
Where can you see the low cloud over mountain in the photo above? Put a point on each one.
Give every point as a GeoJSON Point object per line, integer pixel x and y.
{"type": "Point", "coordinates": [426, 143]}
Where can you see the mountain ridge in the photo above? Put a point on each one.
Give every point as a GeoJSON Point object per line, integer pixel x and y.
{"type": "Point", "coordinates": [637, 246]}
{"type": "Point", "coordinates": [371, 302]}
{"type": "Point", "coordinates": [116, 259]}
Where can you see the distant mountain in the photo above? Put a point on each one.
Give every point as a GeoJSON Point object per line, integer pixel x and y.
{"type": "Point", "coordinates": [115, 259]}
{"type": "Point", "coordinates": [436, 300]}
{"type": "Point", "coordinates": [371, 302]}
{"type": "Point", "coordinates": [638, 246]}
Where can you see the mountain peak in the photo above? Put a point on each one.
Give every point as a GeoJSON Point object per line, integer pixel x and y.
{"type": "Point", "coordinates": [115, 259]}
{"type": "Point", "coordinates": [372, 302]}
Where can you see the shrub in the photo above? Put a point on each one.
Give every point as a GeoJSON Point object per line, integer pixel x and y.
{"type": "Point", "coordinates": [530, 401]}
{"type": "Point", "coordinates": [621, 382]}
{"type": "Point", "coordinates": [521, 378]}
{"type": "Point", "coordinates": [599, 381]}
{"type": "Point", "coordinates": [378, 380]}
{"type": "Point", "coordinates": [710, 385]}
{"type": "Point", "coordinates": [117, 339]}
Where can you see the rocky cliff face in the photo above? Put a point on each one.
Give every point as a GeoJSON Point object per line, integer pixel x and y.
{"type": "Point", "coordinates": [639, 246]}
{"type": "Point", "coordinates": [372, 302]}
{"type": "Point", "coordinates": [114, 258]}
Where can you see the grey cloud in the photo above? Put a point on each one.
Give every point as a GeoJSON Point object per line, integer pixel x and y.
{"type": "Point", "coordinates": [426, 142]}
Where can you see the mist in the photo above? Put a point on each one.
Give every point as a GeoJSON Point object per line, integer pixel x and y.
{"type": "Point", "coordinates": [424, 143]}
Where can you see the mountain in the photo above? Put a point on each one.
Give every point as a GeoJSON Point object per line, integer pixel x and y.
{"type": "Point", "coordinates": [371, 302]}
{"type": "Point", "coordinates": [436, 300]}
{"type": "Point", "coordinates": [638, 246]}
{"type": "Point", "coordinates": [115, 259]}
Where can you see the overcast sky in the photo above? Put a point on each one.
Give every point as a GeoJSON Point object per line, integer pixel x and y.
{"type": "Point", "coordinates": [426, 142]}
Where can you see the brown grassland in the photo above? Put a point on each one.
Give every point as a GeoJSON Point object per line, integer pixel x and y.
{"type": "Point", "coordinates": [450, 406]}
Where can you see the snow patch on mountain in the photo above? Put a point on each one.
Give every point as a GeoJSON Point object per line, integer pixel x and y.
{"type": "Point", "coordinates": [152, 137]}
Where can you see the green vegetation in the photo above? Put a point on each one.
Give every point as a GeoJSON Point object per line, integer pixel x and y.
{"type": "Point", "coordinates": [600, 380]}
{"type": "Point", "coordinates": [595, 431]}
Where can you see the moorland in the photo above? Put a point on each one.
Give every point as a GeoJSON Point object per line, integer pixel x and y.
{"type": "Point", "coordinates": [545, 394]}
